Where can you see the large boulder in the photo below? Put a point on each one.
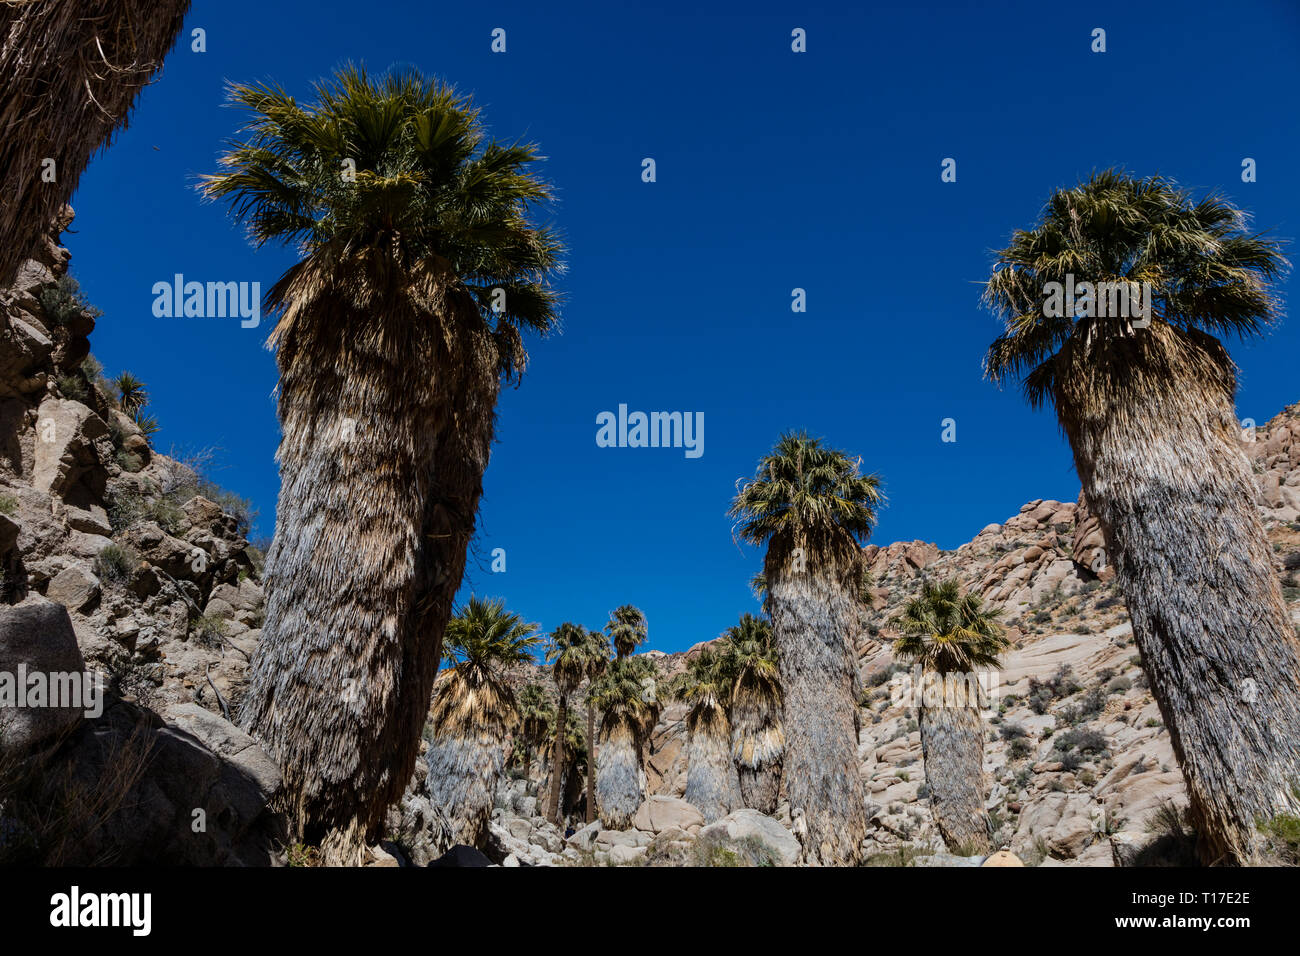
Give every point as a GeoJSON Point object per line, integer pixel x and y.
{"type": "Point", "coordinates": [36, 638]}
{"type": "Point", "coordinates": [659, 813]}
{"type": "Point", "coordinates": [747, 822]}
{"type": "Point", "coordinates": [74, 587]}
{"type": "Point", "coordinates": [65, 453]}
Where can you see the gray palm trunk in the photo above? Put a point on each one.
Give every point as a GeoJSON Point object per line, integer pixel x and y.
{"type": "Point", "coordinates": [952, 745]}
{"type": "Point", "coordinates": [814, 621]}
{"type": "Point", "coordinates": [1163, 468]}
{"type": "Point", "coordinates": [557, 760]}
{"type": "Point", "coordinates": [618, 776]}
{"type": "Point", "coordinates": [712, 785]}
{"type": "Point", "coordinates": [463, 774]}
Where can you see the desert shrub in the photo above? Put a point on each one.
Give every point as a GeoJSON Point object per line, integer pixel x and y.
{"type": "Point", "coordinates": [1292, 561]}
{"type": "Point", "coordinates": [74, 387]}
{"type": "Point", "coordinates": [116, 562]}
{"type": "Point", "coordinates": [1118, 685]}
{"type": "Point", "coordinates": [1113, 600]}
{"type": "Point", "coordinates": [1013, 732]}
{"type": "Point", "coordinates": [8, 504]}
{"type": "Point", "coordinates": [714, 849]}
{"type": "Point", "coordinates": [63, 301]}
{"type": "Point", "coordinates": [1084, 739]}
{"type": "Point", "coordinates": [1282, 838]}
{"type": "Point", "coordinates": [209, 630]}
{"type": "Point", "coordinates": [1019, 749]}
{"type": "Point", "coordinates": [128, 461]}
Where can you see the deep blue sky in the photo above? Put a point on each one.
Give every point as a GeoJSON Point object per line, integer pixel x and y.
{"type": "Point", "coordinates": [776, 170]}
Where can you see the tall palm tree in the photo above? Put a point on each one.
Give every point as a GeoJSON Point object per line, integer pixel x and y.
{"type": "Point", "coordinates": [754, 708]}
{"type": "Point", "coordinates": [474, 712]}
{"type": "Point", "coordinates": [597, 659]}
{"type": "Point", "coordinates": [712, 785]}
{"type": "Point", "coordinates": [627, 629]}
{"type": "Point", "coordinates": [536, 716]}
{"type": "Point", "coordinates": [567, 652]}
{"type": "Point", "coordinates": [949, 636]}
{"type": "Point", "coordinates": [813, 507]}
{"type": "Point", "coordinates": [1149, 415]}
{"type": "Point", "coordinates": [626, 696]}
{"type": "Point", "coordinates": [71, 72]}
{"type": "Point", "coordinates": [408, 220]}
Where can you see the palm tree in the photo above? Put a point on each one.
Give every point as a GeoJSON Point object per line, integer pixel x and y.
{"type": "Point", "coordinates": [536, 716]}
{"type": "Point", "coordinates": [948, 635]}
{"type": "Point", "coordinates": [474, 712]}
{"type": "Point", "coordinates": [712, 785]}
{"type": "Point", "coordinates": [131, 394]}
{"type": "Point", "coordinates": [413, 229]}
{"type": "Point", "coordinates": [72, 70]}
{"type": "Point", "coordinates": [754, 707]}
{"type": "Point", "coordinates": [627, 629]}
{"type": "Point", "coordinates": [627, 698]}
{"type": "Point", "coordinates": [597, 659]}
{"type": "Point", "coordinates": [567, 652]}
{"type": "Point", "coordinates": [812, 507]}
{"type": "Point", "coordinates": [1149, 415]}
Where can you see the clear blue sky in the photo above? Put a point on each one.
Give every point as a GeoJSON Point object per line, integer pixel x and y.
{"type": "Point", "coordinates": [776, 170]}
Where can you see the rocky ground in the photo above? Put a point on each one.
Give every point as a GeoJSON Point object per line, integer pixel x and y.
{"type": "Point", "coordinates": [127, 561]}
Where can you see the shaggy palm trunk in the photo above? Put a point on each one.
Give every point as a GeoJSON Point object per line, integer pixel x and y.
{"type": "Point", "coordinates": [814, 621]}
{"type": "Point", "coordinates": [711, 782]}
{"type": "Point", "coordinates": [557, 760]}
{"type": "Point", "coordinates": [386, 437]}
{"type": "Point", "coordinates": [72, 70]}
{"type": "Point", "coordinates": [591, 765]}
{"type": "Point", "coordinates": [757, 744]}
{"type": "Point", "coordinates": [463, 776]}
{"type": "Point", "coordinates": [952, 745]}
{"type": "Point", "coordinates": [618, 776]}
{"type": "Point", "coordinates": [1157, 446]}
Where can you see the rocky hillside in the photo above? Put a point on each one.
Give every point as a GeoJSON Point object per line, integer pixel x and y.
{"type": "Point", "coordinates": [1080, 766]}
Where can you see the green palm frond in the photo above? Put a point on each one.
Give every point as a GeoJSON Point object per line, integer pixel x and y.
{"type": "Point", "coordinates": [568, 651]}
{"type": "Point", "coordinates": [805, 492]}
{"type": "Point", "coordinates": [481, 641]}
{"type": "Point", "coordinates": [748, 661]}
{"type": "Point", "coordinates": [1206, 270]}
{"type": "Point", "coordinates": [945, 631]}
{"type": "Point", "coordinates": [628, 692]}
{"type": "Point", "coordinates": [627, 629]}
{"type": "Point", "coordinates": [392, 187]}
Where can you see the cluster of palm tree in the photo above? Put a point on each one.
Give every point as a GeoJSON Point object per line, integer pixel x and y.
{"type": "Point", "coordinates": [421, 265]}
{"type": "Point", "coordinates": [735, 737]}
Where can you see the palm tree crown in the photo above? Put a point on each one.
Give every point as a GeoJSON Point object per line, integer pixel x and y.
{"type": "Point", "coordinates": [568, 652]}
{"type": "Point", "coordinates": [704, 686]}
{"type": "Point", "coordinates": [947, 632]}
{"type": "Point", "coordinates": [627, 629]}
{"type": "Point", "coordinates": [481, 641]}
{"type": "Point", "coordinates": [628, 692]}
{"type": "Point", "coordinates": [804, 492]}
{"type": "Point", "coordinates": [1207, 273]}
{"type": "Point", "coordinates": [393, 193]}
{"type": "Point", "coordinates": [747, 658]}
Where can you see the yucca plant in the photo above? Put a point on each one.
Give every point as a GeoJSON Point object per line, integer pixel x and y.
{"type": "Point", "coordinates": [814, 508]}
{"type": "Point", "coordinates": [712, 785]}
{"type": "Point", "coordinates": [626, 696]}
{"type": "Point", "coordinates": [131, 394]}
{"type": "Point", "coordinates": [420, 268]}
{"type": "Point", "coordinates": [748, 654]}
{"type": "Point", "coordinates": [72, 70]}
{"type": "Point", "coordinates": [1149, 415]}
{"type": "Point", "coordinates": [474, 712]}
{"type": "Point", "coordinates": [626, 629]}
{"type": "Point", "coordinates": [950, 637]}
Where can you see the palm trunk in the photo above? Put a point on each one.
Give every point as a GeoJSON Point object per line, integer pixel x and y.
{"type": "Point", "coordinates": [591, 765]}
{"type": "Point", "coordinates": [386, 436]}
{"type": "Point", "coordinates": [463, 776]}
{"type": "Point", "coordinates": [757, 745]}
{"type": "Point", "coordinates": [557, 762]}
{"type": "Point", "coordinates": [814, 621]}
{"type": "Point", "coordinates": [1156, 444]}
{"type": "Point", "coordinates": [952, 745]}
{"type": "Point", "coordinates": [618, 776]}
{"type": "Point", "coordinates": [712, 786]}
{"type": "Point", "coordinates": [72, 70]}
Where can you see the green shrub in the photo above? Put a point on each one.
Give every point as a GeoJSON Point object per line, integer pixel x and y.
{"type": "Point", "coordinates": [73, 387]}
{"type": "Point", "coordinates": [63, 301]}
{"type": "Point", "coordinates": [8, 504]}
{"type": "Point", "coordinates": [116, 562]}
{"type": "Point", "coordinates": [1119, 685]}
